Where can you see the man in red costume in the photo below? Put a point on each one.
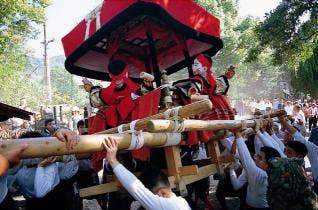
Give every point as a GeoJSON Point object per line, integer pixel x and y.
{"type": "Point", "coordinates": [115, 103]}
{"type": "Point", "coordinates": [216, 91]}
{"type": "Point", "coordinates": [221, 108]}
{"type": "Point", "coordinates": [120, 103]}
{"type": "Point", "coordinates": [203, 83]}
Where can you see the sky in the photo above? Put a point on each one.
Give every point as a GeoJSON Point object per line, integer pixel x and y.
{"type": "Point", "coordinates": [63, 15]}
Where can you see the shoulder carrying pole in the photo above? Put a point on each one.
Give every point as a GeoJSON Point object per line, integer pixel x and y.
{"type": "Point", "coordinates": [189, 110]}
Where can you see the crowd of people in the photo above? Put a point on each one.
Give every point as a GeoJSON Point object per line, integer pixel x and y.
{"type": "Point", "coordinates": [267, 172]}
{"type": "Point", "coordinates": [304, 111]}
{"type": "Point", "coordinates": [261, 157]}
{"type": "Point", "coordinates": [250, 105]}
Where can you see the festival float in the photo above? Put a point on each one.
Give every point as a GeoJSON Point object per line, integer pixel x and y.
{"type": "Point", "coordinates": [153, 39]}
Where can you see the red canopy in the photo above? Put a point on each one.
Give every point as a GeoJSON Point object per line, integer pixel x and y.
{"type": "Point", "coordinates": [147, 34]}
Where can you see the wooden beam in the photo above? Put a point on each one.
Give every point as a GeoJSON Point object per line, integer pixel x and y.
{"type": "Point", "coordinates": [45, 147]}
{"type": "Point", "coordinates": [153, 56]}
{"type": "Point", "coordinates": [190, 125]}
{"type": "Point", "coordinates": [214, 153]}
{"type": "Point", "coordinates": [189, 110]}
{"type": "Point", "coordinates": [188, 170]}
{"type": "Point", "coordinates": [173, 161]}
{"type": "Point", "coordinates": [203, 172]}
{"type": "Point", "coordinates": [99, 189]}
{"type": "Point", "coordinates": [226, 158]}
{"type": "Point", "coordinates": [195, 98]}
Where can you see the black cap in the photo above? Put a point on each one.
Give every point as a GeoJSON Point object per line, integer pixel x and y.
{"type": "Point", "coordinates": [116, 67]}
{"type": "Point", "coordinates": [3, 117]}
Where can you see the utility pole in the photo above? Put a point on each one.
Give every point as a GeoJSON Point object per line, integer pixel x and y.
{"type": "Point", "coordinates": [47, 71]}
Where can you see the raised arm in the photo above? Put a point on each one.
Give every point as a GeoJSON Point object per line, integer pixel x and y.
{"type": "Point", "coordinates": [265, 137]}
{"type": "Point", "coordinates": [252, 171]}
{"type": "Point", "coordinates": [128, 180]}
{"type": "Point", "coordinates": [278, 141]}
{"type": "Point", "coordinates": [269, 141]}
{"type": "Point", "coordinates": [311, 147]}
{"type": "Point", "coordinates": [237, 182]}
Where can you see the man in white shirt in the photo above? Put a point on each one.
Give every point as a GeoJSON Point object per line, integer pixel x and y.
{"type": "Point", "coordinates": [311, 147]}
{"type": "Point", "coordinates": [300, 120]}
{"type": "Point", "coordinates": [312, 115]}
{"type": "Point", "coordinates": [9, 158]}
{"type": "Point", "coordinates": [255, 172]}
{"type": "Point", "coordinates": [159, 196]}
{"type": "Point", "coordinates": [39, 180]}
{"type": "Point", "coordinates": [288, 108]}
{"type": "Point", "coordinates": [275, 104]}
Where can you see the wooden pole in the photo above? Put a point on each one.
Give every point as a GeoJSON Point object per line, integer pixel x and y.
{"type": "Point", "coordinates": [153, 56]}
{"type": "Point", "coordinates": [203, 172]}
{"type": "Point", "coordinates": [195, 98]}
{"type": "Point", "coordinates": [192, 109]}
{"type": "Point", "coordinates": [272, 115]}
{"type": "Point", "coordinates": [44, 147]}
{"type": "Point", "coordinates": [154, 126]}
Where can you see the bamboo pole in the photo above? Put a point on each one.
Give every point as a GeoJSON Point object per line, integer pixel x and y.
{"type": "Point", "coordinates": [159, 126]}
{"type": "Point", "coordinates": [44, 147]}
{"type": "Point", "coordinates": [189, 110]}
{"type": "Point", "coordinates": [195, 98]}
{"type": "Point", "coordinates": [203, 172]}
{"type": "Point", "coordinates": [272, 115]}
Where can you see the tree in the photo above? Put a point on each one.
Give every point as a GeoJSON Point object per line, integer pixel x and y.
{"type": "Point", "coordinates": [256, 78]}
{"type": "Point", "coordinates": [293, 24]}
{"type": "Point", "coordinates": [65, 90]}
{"type": "Point", "coordinates": [16, 19]}
{"type": "Point", "coordinates": [226, 11]}
{"type": "Point", "coordinates": [306, 78]}
{"type": "Point", "coordinates": [291, 31]}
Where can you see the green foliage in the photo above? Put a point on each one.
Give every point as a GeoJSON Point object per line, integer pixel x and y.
{"type": "Point", "coordinates": [258, 78]}
{"type": "Point", "coordinates": [288, 28]}
{"type": "Point", "coordinates": [226, 11]}
{"type": "Point", "coordinates": [291, 30]}
{"type": "Point", "coordinates": [16, 19]}
{"type": "Point", "coordinates": [306, 77]}
{"type": "Point", "coordinates": [65, 90]}
{"type": "Point", "coordinates": [17, 86]}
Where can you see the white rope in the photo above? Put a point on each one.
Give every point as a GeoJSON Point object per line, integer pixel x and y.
{"type": "Point", "coordinates": [166, 114]}
{"type": "Point", "coordinates": [137, 141]}
{"type": "Point", "coordinates": [88, 25]}
{"type": "Point", "coordinates": [164, 86]}
{"type": "Point", "coordinates": [132, 126]}
{"type": "Point", "coordinates": [176, 112]}
{"type": "Point", "coordinates": [173, 139]}
{"type": "Point", "coordinates": [179, 126]}
{"type": "Point", "coordinates": [120, 129]}
{"type": "Point", "coordinates": [95, 14]}
{"type": "Point", "coordinates": [97, 20]}
{"type": "Point", "coordinates": [172, 113]}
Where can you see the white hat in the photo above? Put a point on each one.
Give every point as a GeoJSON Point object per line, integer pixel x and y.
{"type": "Point", "coordinates": [146, 76]}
